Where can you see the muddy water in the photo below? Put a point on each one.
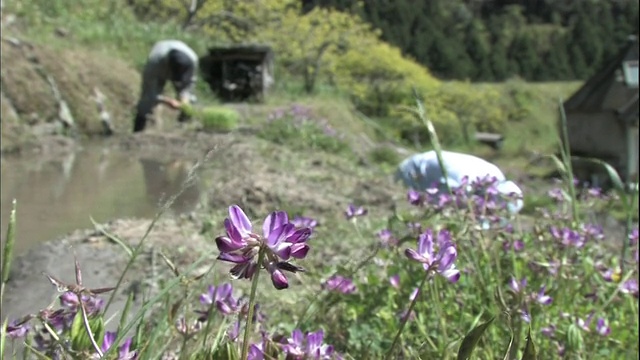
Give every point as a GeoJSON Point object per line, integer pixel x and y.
{"type": "Point", "coordinates": [61, 195]}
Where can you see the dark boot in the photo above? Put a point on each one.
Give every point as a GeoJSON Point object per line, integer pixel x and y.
{"type": "Point", "coordinates": [140, 123]}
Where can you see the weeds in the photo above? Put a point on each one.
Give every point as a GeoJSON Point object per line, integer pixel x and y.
{"type": "Point", "coordinates": [450, 275]}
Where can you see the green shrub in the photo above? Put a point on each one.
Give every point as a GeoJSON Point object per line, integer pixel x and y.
{"type": "Point", "coordinates": [303, 135]}
{"type": "Point", "coordinates": [218, 119]}
{"type": "Point", "coordinates": [385, 155]}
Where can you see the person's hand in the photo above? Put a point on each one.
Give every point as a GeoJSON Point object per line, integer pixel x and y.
{"type": "Point", "coordinates": [171, 102]}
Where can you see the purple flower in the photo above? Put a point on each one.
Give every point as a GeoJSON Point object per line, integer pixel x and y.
{"type": "Point", "coordinates": [256, 352]}
{"type": "Point", "coordinates": [557, 194]}
{"type": "Point", "coordinates": [58, 319]}
{"type": "Point", "coordinates": [222, 298]}
{"type": "Point", "coordinates": [612, 275]}
{"type": "Point", "coordinates": [281, 240]}
{"type": "Point", "coordinates": [584, 324]}
{"type": "Point", "coordinates": [233, 332]}
{"type": "Point", "coordinates": [436, 257]}
{"type": "Point", "coordinates": [517, 286]}
{"type": "Point", "coordinates": [414, 197]}
{"type": "Point", "coordinates": [591, 231]}
{"type": "Point", "coordinates": [543, 298]}
{"type": "Point", "coordinates": [340, 284]}
{"type": "Point", "coordinates": [567, 237]}
{"type": "Point", "coordinates": [18, 328]}
{"type": "Point", "coordinates": [297, 347]}
{"type": "Point", "coordinates": [548, 331]}
{"type": "Point", "coordinates": [387, 238]}
{"type": "Point", "coordinates": [602, 328]}
{"type": "Point", "coordinates": [304, 222]}
{"type": "Point", "coordinates": [185, 329]}
{"type": "Point", "coordinates": [92, 304]}
{"type": "Point", "coordinates": [124, 352]}
{"type": "Point", "coordinates": [353, 211]}
{"type": "Point", "coordinates": [395, 281]}
{"type": "Point", "coordinates": [414, 227]}
{"type": "Point", "coordinates": [633, 237]}
{"type": "Point", "coordinates": [630, 287]}
{"type": "Point", "coordinates": [516, 245]}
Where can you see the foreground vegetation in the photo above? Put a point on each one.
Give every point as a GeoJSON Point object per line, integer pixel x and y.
{"type": "Point", "coordinates": [423, 280]}
{"type": "Point", "coordinates": [488, 286]}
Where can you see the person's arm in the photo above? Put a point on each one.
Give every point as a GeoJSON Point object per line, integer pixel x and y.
{"type": "Point", "coordinates": [185, 86]}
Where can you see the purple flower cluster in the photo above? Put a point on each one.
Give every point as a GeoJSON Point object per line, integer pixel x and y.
{"type": "Point", "coordinates": [602, 328]}
{"type": "Point", "coordinates": [124, 351]}
{"type": "Point", "coordinates": [353, 212]}
{"type": "Point", "coordinates": [300, 116]}
{"type": "Point", "coordinates": [481, 196]}
{"type": "Point", "coordinates": [311, 346]}
{"type": "Point", "coordinates": [280, 241]}
{"type": "Point", "coordinates": [436, 255]}
{"type": "Point", "coordinates": [387, 238]}
{"type": "Point", "coordinates": [304, 222]}
{"type": "Point", "coordinates": [221, 298]}
{"type": "Point", "coordinates": [340, 284]}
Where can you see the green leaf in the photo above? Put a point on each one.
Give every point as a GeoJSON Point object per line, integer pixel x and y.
{"type": "Point", "coordinates": [8, 245]}
{"type": "Point", "coordinates": [80, 340]}
{"type": "Point", "coordinates": [529, 349]}
{"type": "Point", "coordinates": [5, 323]}
{"type": "Point", "coordinates": [112, 237]}
{"type": "Point", "coordinates": [507, 354]}
{"type": "Point", "coordinates": [471, 340]}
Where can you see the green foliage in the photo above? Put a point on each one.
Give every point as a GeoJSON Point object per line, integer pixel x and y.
{"type": "Point", "coordinates": [80, 338]}
{"type": "Point", "coordinates": [377, 76]}
{"type": "Point", "coordinates": [218, 119]}
{"type": "Point", "coordinates": [384, 155]}
{"type": "Point", "coordinates": [489, 40]}
{"type": "Point", "coordinates": [301, 133]}
{"type": "Point", "coordinates": [471, 340]}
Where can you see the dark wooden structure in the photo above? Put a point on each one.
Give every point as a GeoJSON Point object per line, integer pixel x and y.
{"type": "Point", "coordinates": [602, 116]}
{"type": "Point", "coordinates": [239, 73]}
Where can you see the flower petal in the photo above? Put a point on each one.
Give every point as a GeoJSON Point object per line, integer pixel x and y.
{"type": "Point", "coordinates": [299, 251]}
{"type": "Point", "coordinates": [226, 244]}
{"type": "Point", "coordinates": [448, 255]}
{"type": "Point", "coordinates": [234, 258]}
{"type": "Point", "coordinates": [452, 274]}
{"type": "Point", "coordinates": [273, 221]}
{"type": "Point", "coordinates": [413, 255]}
{"type": "Point", "coordinates": [279, 280]}
{"type": "Point", "coordinates": [299, 235]}
{"type": "Point", "coordinates": [289, 267]}
{"type": "Point", "coordinates": [240, 220]}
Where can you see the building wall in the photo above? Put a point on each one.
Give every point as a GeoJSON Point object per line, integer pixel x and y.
{"type": "Point", "coordinates": [618, 95]}
{"type": "Point", "coordinates": [599, 135]}
{"type": "Point", "coordinates": [633, 153]}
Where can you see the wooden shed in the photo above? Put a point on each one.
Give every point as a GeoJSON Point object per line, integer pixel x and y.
{"type": "Point", "coordinates": [602, 116]}
{"type": "Point", "coordinates": [239, 73]}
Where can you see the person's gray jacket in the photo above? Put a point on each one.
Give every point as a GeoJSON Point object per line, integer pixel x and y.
{"type": "Point", "coordinates": [169, 60]}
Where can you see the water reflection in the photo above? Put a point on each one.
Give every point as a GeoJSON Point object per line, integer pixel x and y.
{"type": "Point", "coordinates": [58, 196]}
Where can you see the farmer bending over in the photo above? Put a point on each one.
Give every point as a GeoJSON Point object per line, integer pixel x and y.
{"type": "Point", "coordinates": [422, 171]}
{"type": "Point", "coordinates": [170, 60]}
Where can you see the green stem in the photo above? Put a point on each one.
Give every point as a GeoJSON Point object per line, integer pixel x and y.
{"type": "Point", "coordinates": [406, 318]}
{"type": "Point", "coordinates": [252, 300]}
{"type": "Point", "coordinates": [436, 299]}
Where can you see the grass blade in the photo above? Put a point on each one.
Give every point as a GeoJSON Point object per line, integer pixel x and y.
{"type": "Point", "coordinates": [471, 340]}
{"type": "Point", "coordinates": [8, 246]}
{"type": "Point", "coordinates": [112, 237]}
{"type": "Point", "coordinates": [529, 349]}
